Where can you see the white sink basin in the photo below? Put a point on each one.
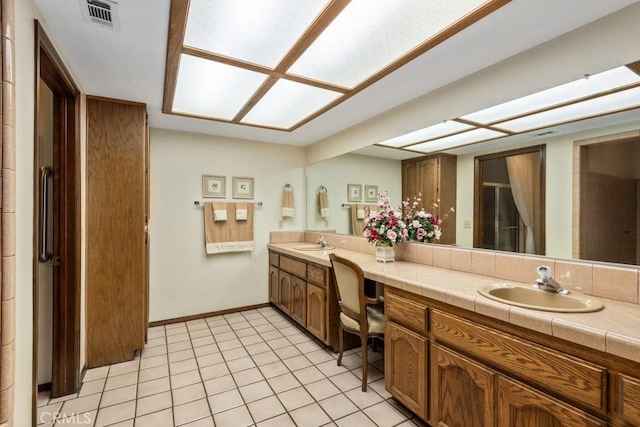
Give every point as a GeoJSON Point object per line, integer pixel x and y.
{"type": "Point", "coordinates": [530, 297]}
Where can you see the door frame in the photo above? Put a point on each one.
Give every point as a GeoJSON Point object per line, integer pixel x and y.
{"type": "Point", "coordinates": [67, 292]}
{"type": "Point", "coordinates": [478, 180]}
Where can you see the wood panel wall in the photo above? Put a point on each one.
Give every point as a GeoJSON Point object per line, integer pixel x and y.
{"type": "Point", "coordinates": [116, 205]}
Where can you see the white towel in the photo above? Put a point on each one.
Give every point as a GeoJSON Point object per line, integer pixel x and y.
{"type": "Point", "coordinates": [219, 211]}
{"type": "Point", "coordinates": [241, 211]}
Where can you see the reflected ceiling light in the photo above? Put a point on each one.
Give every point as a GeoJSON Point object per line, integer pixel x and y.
{"type": "Point", "coordinates": [457, 140]}
{"type": "Point", "coordinates": [590, 85]}
{"type": "Point", "coordinates": [287, 103]}
{"type": "Point", "coordinates": [441, 129]}
{"type": "Point", "coordinates": [593, 107]}
{"type": "Point", "coordinates": [211, 89]}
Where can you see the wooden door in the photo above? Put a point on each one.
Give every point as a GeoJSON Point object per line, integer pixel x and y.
{"type": "Point", "coordinates": [273, 284]}
{"type": "Point", "coordinates": [629, 396]}
{"type": "Point", "coordinates": [428, 172]}
{"type": "Point", "coordinates": [316, 309]}
{"type": "Point", "coordinates": [298, 303]}
{"type": "Point", "coordinates": [406, 367]}
{"type": "Point", "coordinates": [463, 392]}
{"type": "Point", "coordinates": [409, 179]}
{"type": "Point", "coordinates": [522, 406]}
{"type": "Point", "coordinates": [115, 263]}
{"type": "Point", "coordinates": [284, 291]}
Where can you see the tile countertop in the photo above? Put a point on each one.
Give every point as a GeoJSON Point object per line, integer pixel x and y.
{"type": "Point", "coordinates": [614, 329]}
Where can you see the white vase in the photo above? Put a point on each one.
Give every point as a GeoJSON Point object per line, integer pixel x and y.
{"type": "Point", "coordinates": [385, 254]}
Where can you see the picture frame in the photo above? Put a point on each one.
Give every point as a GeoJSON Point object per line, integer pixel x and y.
{"type": "Point", "coordinates": [370, 193]}
{"type": "Point", "coordinates": [214, 186]}
{"type": "Point", "coordinates": [242, 187]}
{"type": "Point", "coordinates": [354, 192]}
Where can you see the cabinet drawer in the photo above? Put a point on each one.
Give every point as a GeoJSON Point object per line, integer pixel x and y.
{"type": "Point", "coordinates": [316, 274]}
{"type": "Point", "coordinates": [293, 266]}
{"type": "Point", "coordinates": [406, 312]}
{"type": "Point", "coordinates": [630, 399]}
{"type": "Point", "coordinates": [568, 376]}
{"type": "Point", "coordinates": [274, 259]}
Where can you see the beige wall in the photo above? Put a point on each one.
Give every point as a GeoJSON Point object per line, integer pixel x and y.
{"type": "Point", "coordinates": [607, 43]}
{"type": "Point", "coordinates": [184, 279]}
{"type": "Point", "coordinates": [336, 173]}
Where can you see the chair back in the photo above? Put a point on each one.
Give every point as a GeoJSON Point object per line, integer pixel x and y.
{"type": "Point", "coordinates": [349, 280]}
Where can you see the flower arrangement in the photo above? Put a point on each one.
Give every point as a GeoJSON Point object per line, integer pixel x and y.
{"type": "Point", "coordinates": [422, 226]}
{"type": "Point", "coordinates": [385, 227]}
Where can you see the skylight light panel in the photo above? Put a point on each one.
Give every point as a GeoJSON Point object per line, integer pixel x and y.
{"type": "Point", "coordinates": [600, 82]}
{"type": "Point", "coordinates": [458, 140]}
{"type": "Point", "coordinates": [435, 131]}
{"type": "Point", "coordinates": [256, 31]}
{"type": "Point", "coordinates": [212, 89]}
{"type": "Point", "coordinates": [582, 110]}
{"type": "Point", "coordinates": [287, 103]}
{"type": "Point", "coordinates": [370, 34]}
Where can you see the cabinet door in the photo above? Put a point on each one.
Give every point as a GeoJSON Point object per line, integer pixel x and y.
{"type": "Point", "coordinates": [284, 291]}
{"type": "Point", "coordinates": [428, 174]}
{"type": "Point", "coordinates": [273, 284]}
{"type": "Point", "coordinates": [522, 406]}
{"type": "Point", "coordinates": [406, 367]}
{"type": "Point", "coordinates": [316, 309]}
{"type": "Point", "coordinates": [463, 392]}
{"type": "Point", "coordinates": [629, 396]}
{"type": "Point", "coordinates": [298, 303]}
{"type": "Point", "coordinates": [409, 179]}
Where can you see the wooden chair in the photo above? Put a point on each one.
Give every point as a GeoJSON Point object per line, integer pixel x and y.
{"type": "Point", "coordinates": [359, 314]}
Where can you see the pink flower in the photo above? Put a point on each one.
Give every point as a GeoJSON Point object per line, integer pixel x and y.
{"type": "Point", "coordinates": [392, 235]}
{"type": "Point", "coordinates": [366, 233]}
{"type": "Point", "coordinates": [421, 233]}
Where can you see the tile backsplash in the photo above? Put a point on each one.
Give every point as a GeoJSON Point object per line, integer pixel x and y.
{"type": "Point", "coordinates": [613, 281]}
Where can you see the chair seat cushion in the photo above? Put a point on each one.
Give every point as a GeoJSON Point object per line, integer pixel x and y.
{"type": "Point", "coordinates": [375, 317]}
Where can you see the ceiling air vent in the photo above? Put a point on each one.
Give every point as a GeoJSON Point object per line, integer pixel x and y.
{"type": "Point", "coordinates": [537, 135]}
{"type": "Point", "coordinates": [101, 12]}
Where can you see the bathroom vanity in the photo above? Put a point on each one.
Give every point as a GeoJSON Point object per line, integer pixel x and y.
{"type": "Point", "coordinates": [447, 346]}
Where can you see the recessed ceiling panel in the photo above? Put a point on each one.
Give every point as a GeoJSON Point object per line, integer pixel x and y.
{"type": "Point", "coordinates": [560, 94]}
{"type": "Point", "coordinates": [287, 103]}
{"type": "Point", "coordinates": [212, 89]}
{"type": "Point", "coordinates": [593, 107]}
{"type": "Point", "coordinates": [370, 34]}
{"type": "Point", "coordinates": [435, 131]}
{"type": "Point", "coordinates": [457, 140]}
{"type": "Point", "coordinates": [257, 31]}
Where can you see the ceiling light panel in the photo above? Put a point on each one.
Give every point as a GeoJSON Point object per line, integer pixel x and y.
{"type": "Point", "coordinates": [256, 31]}
{"type": "Point", "coordinates": [600, 82]}
{"type": "Point", "coordinates": [445, 128]}
{"type": "Point", "coordinates": [287, 103]}
{"type": "Point", "coordinates": [212, 89]}
{"type": "Point", "coordinates": [370, 34]}
{"type": "Point", "coordinates": [598, 106]}
{"type": "Point", "coordinates": [460, 139]}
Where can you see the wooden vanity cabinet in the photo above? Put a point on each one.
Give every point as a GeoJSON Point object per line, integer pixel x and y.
{"type": "Point", "coordinates": [406, 352]}
{"type": "Point", "coordinates": [453, 371]}
{"type": "Point", "coordinates": [305, 292]}
{"type": "Point", "coordinates": [629, 399]}
{"type": "Point", "coordinates": [522, 406]}
{"type": "Point", "coordinates": [434, 177]}
{"type": "Point", "coordinates": [463, 392]}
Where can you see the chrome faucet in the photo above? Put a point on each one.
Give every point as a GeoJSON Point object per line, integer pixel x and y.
{"type": "Point", "coordinates": [546, 283]}
{"type": "Point", "coordinates": [322, 242]}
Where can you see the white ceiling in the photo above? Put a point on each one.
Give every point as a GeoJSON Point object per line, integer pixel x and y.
{"type": "Point", "coordinates": [129, 63]}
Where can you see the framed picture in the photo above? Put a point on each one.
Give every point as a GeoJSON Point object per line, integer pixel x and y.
{"type": "Point", "coordinates": [354, 192]}
{"type": "Point", "coordinates": [370, 193]}
{"type": "Point", "coordinates": [214, 186]}
{"type": "Point", "coordinates": [242, 188]}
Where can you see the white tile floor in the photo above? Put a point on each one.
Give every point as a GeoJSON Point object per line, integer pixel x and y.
{"type": "Point", "coordinates": [241, 369]}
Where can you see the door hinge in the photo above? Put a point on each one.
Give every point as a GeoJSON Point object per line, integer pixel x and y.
{"type": "Point", "coordinates": [55, 260]}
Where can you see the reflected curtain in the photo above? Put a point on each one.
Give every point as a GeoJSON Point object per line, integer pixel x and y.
{"type": "Point", "coordinates": [524, 175]}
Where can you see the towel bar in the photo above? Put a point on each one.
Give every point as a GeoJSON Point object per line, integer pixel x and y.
{"type": "Point", "coordinates": [198, 203]}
